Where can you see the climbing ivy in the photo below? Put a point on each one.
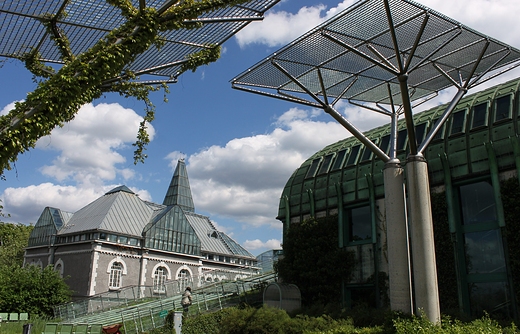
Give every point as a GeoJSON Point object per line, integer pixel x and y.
{"type": "Point", "coordinates": [444, 250]}
{"type": "Point", "coordinates": [82, 78]}
{"type": "Point", "coordinates": [510, 192]}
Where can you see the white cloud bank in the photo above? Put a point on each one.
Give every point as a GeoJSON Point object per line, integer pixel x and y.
{"type": "Point", "coordinates": [280, 27]}
{"type": "Point", "coordinates": [90, 148]}
{"type": "Point", "coordinates": [243, 180]}
{"type": "Point", "coordinates": [492, 17]}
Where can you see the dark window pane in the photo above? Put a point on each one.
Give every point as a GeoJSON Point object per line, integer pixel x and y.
{"type": "Point", "coordinates": [384, 145]}
{"type": "Point", "coordinates": [367, 154]}
{"type": "Point", "coordinates": [353, 155]}
{"type": "Point", "coordinates": [313, 168]}
{"type": "Point", "coordinates": [339, 160]}
{"type": "Point", "coordinates": [457, 122]}
{"type": "Point", "coordinates": [479, 115]}
{"type": "Point", "coordinates": [490, 298]}
{"type": "Point", "coordinates": [360, 224]}
{"type": "Point", "coordinates": [440, 134]}
{"type": "Point", "coordinates": [419, 132]}
{"type": "Point", "coordinates": [484, 252]}
{"type": "Point", "coordinates": [503, 106]}
{"type": "Point", "coordinates": [477, 203]}
{"type": "Point", "coordinates": [402, 135]}
{"type": "Point", "coordinates": [326, 164]}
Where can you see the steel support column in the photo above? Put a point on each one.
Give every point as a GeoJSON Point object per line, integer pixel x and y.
{"type": "Point", "coordinates": [397, 238]}
{"type": "Point", "coordinates": [423, 247]}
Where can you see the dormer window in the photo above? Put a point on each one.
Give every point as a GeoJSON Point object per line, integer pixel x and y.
{"type": "Point", "coordinates": [213, 234]}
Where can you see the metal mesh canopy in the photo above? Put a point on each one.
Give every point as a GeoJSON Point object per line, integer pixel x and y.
{"type": "Point", "coordinates": [353, 56]}
{"type": "Point", "coordinates": [87, 21]}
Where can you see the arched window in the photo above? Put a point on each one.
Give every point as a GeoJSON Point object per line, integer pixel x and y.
{"type": "Point", "coordinates": [184, 278]}
{"type": "Point", "coordinates": [159, 280]}
{"type": "Point", "coordinates": [59, 268]}
{"type": "Point", "coordinates": [116, 273]}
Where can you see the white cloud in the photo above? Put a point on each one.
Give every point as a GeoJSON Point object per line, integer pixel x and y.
{"type": "Point", "coordinates": [279, 28]}
{"type": "Point", "coordinates": [90, 148]}
{"type": "Point", "coordinates": [258, 244]}
{"type": "Point", "coordinates": [244, 179]}
{"type": "Point", "coordinates": [8, 108]}
{"type": "Point", "coordinates": [89, 145]}
{"type": "Point", "coordinates": [492, 17]}
{"type": "Point", "coordinates": [26, 203]}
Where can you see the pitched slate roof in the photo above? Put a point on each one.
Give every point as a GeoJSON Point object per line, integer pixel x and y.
{"type": "Point", "coordinates": [119, 210]}
{"type": "Point", "coordinates": [212, 240]}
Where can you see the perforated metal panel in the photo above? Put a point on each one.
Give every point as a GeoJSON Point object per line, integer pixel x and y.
{"type": "Point", "coordinates": [353, 56]}
{"type": "Point", "coordinates": [87, 21]}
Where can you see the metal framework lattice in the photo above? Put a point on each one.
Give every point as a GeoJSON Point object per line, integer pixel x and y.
{"type": "Point", "coordinates": [354, 55]}
{"type": "Point", "coordinates": [87, 21]}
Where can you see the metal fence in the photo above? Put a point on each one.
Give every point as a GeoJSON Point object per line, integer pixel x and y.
{"type": "Point", "coordinates": [143, 308]}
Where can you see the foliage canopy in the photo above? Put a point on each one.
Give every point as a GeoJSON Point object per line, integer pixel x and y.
{"type": "Point", "coordinates": [32, 289]}
{"type": "Point", "coordinates": [83, 77]}
{"type": "Point", "coordinates": [13, 240]}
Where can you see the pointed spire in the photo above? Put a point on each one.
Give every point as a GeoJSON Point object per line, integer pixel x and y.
{"type": "Point", "coordinates": [179, 192]}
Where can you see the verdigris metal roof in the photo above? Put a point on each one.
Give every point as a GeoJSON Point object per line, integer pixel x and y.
{"type": "Point", "coordinates": [212, 240]}
{"type": "Point", "coordinates": [233, 246]}
{"type": "Point", "coordinates": [179, 191]}
{"type": "Point", "coordinates": [360, 53]}
{"type": "Point", "coordinates": [118, 212]}
{"type": "Point", "coordinates": [85, 22]}
{"type": "Point", "coordinates": [206, 232]}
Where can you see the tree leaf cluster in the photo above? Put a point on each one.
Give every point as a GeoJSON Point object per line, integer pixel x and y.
{"type": "Point", "coordinates": [32, 289]}
{"type": "Point", "coordinates": [101, 69]}
{"type": "Point", "coordinates": [13, 239]}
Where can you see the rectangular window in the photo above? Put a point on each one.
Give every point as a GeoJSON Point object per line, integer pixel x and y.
{"type": "Point", "coordinates": [457, 122]}
{"type": "Point", "coordinates": [503, 108]}
{"type": "Point", "coordinates": [352, 158]}
{"type": "Point", "coordinates": [360, 224]}
{"type": "Point", "coordinates": [367, 155]}
{"type": "Point", "coordinates": [477, 203]}
{"type": "Point", "coordinates": [402, 135]}
{"type": "Point", "coordinates": [338, 163]}
{"type": "Point", "coordinates": [440, 134]}
{"type": "Point", "coordinates": [479, 117]}
{"type": "Point", "coordinates": [384, 145]}
{"type": "Point", "coordinates": [313, 168]}
{"type": "Point", "coordinates": [326, 164]}
{"type": "Point", "coordinates": [419, 132]}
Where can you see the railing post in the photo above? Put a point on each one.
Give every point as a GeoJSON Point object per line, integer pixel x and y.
{"type": "Point", "coordinates": [218, 296]}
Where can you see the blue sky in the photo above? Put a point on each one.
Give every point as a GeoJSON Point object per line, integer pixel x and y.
{"type": "Point", "coordinates": [240, 148]}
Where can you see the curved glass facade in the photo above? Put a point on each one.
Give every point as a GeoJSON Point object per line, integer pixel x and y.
{"type": "Point", "coordinates": [477, 147]}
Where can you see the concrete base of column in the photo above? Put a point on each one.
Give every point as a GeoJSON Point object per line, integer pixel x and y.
{"type": "Point", "coordinates": [397, 238]}
{"type": "Point", "coordinates": [426, 290]}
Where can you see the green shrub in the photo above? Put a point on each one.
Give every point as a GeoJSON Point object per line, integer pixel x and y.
{"type": "Point", "coordinates": [208, 323]}
{"type": "Point", "coordinates": [421, 324]}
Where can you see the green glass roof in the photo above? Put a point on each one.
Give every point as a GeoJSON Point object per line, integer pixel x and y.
{"type": "Point", "coordinates": [179, 192]}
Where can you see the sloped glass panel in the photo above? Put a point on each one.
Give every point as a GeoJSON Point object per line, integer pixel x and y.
{"type": "Point", "coordinates": [181, 238]}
